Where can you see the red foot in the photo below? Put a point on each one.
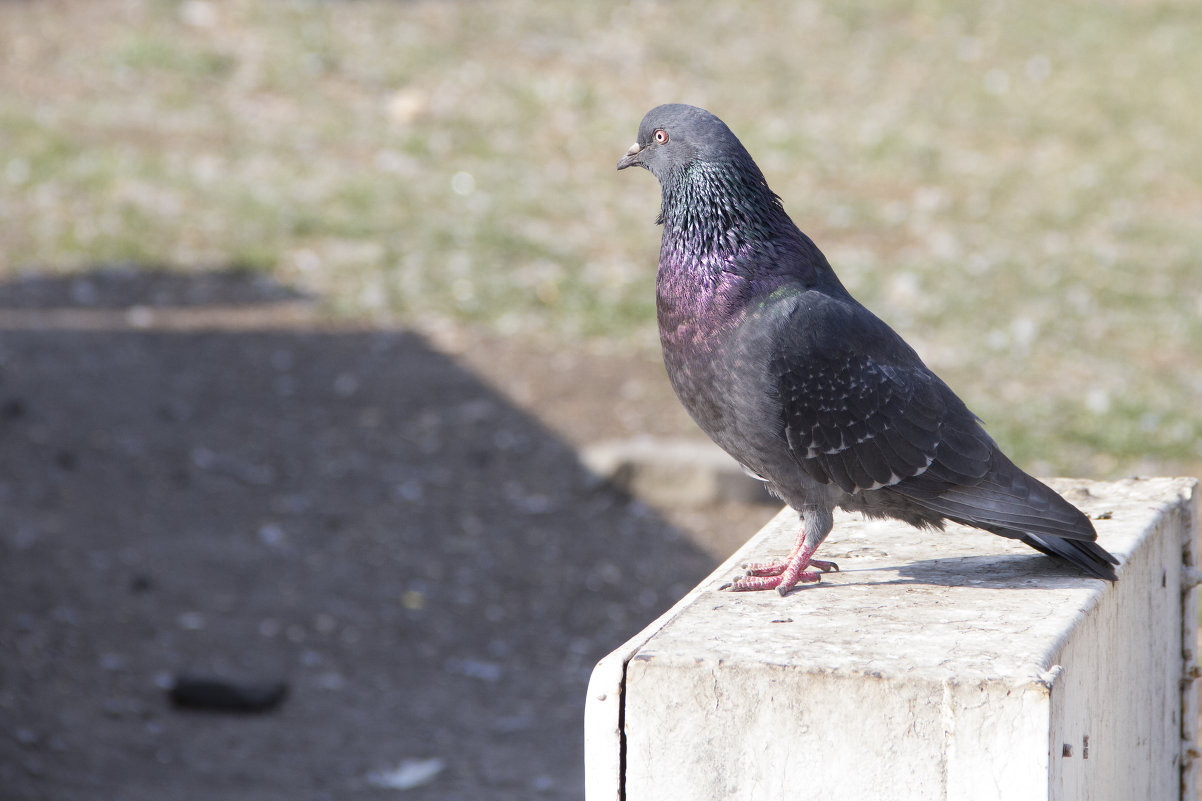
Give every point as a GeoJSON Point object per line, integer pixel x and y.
{"type": "Point", "coordinates": [760, 582]}
{"type": "Point", "coordinates": [782, 576]}
{"type": "Point", "coordinates": [776, 568]}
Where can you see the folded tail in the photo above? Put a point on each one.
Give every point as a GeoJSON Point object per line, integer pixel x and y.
{"type": "Point", "coordinates": [1010, 503]}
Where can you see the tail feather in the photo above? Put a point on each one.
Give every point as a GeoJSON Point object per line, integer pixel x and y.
{"type": "Point", "coordinates": [1089, 556]}
{"type": "Point", "coordinates": [1012, 504]}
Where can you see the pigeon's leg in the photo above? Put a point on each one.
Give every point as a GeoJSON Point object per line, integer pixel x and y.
{"type": "Point", "coordinates": [783, 576]}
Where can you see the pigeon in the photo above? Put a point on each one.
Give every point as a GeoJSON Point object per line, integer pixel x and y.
{"type": "Point", "coordinates": [810, 391]}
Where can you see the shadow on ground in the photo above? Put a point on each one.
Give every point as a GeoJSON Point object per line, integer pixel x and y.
{"type": "Point", "coordinates": [351, 511]}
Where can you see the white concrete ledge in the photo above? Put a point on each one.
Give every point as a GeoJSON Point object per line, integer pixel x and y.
{"type": "Point", "coordinates": [955, 665]}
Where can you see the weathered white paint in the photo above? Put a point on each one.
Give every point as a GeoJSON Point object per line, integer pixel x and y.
{"type": "Point", "coordinates": [955, 665]}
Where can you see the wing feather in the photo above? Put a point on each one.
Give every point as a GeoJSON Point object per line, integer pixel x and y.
{"type": "Point", "coordinates": [860, 410]}
{"type": "Point", "coordinates": [864, 414]}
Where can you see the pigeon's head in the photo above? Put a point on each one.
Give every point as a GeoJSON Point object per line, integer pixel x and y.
{"type": "Point", "coordinates": [673, 136]}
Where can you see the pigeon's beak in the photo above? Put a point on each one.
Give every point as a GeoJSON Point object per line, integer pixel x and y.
{"type": "Point", "coordinates": [631, 158]}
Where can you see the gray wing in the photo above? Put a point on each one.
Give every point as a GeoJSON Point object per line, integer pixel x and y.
{"type": "Point", "coordinates": [861, 410]}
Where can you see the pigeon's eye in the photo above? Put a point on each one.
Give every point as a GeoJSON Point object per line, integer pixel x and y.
{"type": "Point", "coordinates": [661, 136]}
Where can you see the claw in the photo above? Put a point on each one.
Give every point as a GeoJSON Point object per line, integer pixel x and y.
{"type": "Point", "coordinates": [750, 583]}
{"type": "Point", "coordinates": [782, 576]}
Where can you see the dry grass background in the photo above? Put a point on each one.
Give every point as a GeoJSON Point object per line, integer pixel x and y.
{"type": "Point", "coordinates": [1016, 186]}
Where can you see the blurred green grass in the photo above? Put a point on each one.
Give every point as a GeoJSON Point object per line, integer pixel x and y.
{"type": "Point", "coordinates": [1016, 187]}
